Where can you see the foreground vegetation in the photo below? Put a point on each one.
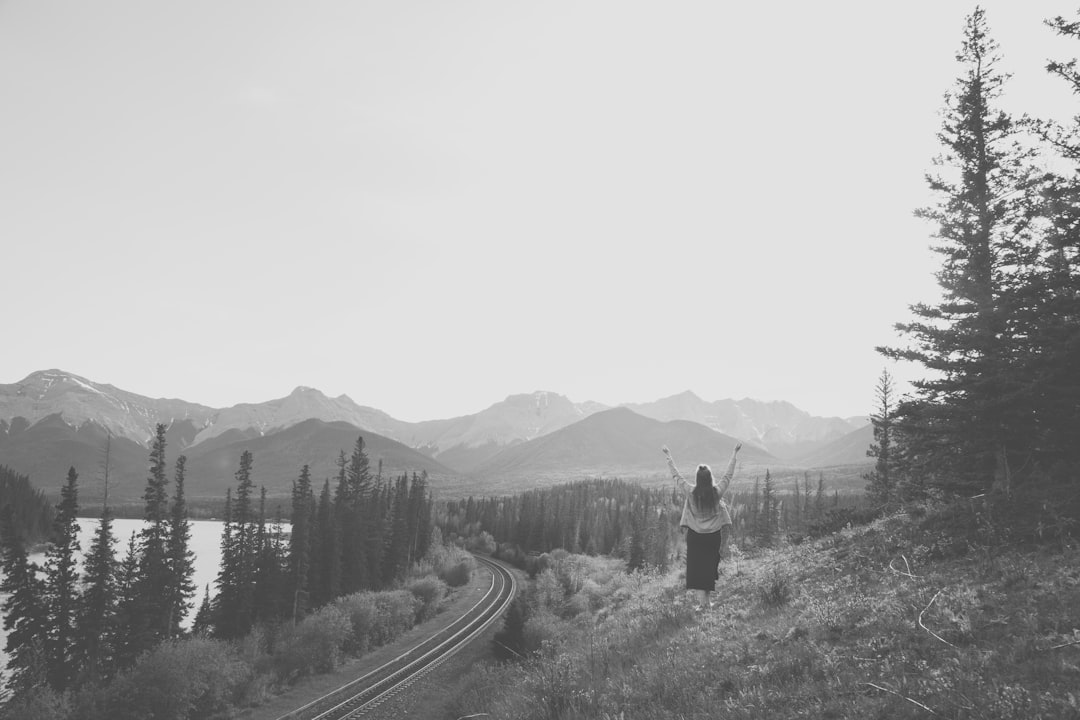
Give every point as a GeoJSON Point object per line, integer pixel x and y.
{"type": "Point", "coordinates": [944, 610]}
{"type": "Point", "coordinates": [199, 676]}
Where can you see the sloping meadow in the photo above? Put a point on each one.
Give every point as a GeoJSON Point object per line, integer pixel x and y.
{"type": "Point", "coordinates": [943, 613]}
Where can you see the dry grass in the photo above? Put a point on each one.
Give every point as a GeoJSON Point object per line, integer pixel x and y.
{"type": "Point", "coordinates": [937, 616]}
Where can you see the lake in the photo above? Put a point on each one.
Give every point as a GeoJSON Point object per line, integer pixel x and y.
{"type": "Point", "coordinates": [205, 543]}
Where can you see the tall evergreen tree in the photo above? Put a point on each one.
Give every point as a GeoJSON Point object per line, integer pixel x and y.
{"type": "Point", "coordinates": [25, 610]}
{"type": "Point", "coordinates": [966, 416]}
{"type": "Point", "coordinates": [303, 511]}
{"type": "Point", "coordinates": [768, 520]}
{"type": "Point", "coordinates": [204, 618]}
{"type": "Point", "coordinates": [225, 602]}
{"type": "Point", "coordinates": [179, 556]}
{"type": "Point", "coordinates": [128, 605]}
{"type": "Point", "coordinates": [149, 612]}
{"type": "Point", "coordinates": [882, 480]}
{"type": "Point", "coordinates": [328, 565]}
{"type": "Point", "coordinates": [96, 626]}
{"type": "Point", "coordinates": [396, 557]}
{"type": "Point", "coordinates": [61, 587]}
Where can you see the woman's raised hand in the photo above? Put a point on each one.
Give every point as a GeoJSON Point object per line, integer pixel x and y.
{"type": "Point", "coordinates": [665, 450]}
{"type": "Point", "coordinates": [738, 447]}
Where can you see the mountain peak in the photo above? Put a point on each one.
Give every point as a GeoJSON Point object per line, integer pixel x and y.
{"type": "Point", "coordinates": [305, 390]}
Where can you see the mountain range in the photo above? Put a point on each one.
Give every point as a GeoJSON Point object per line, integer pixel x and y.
{"type": "Point", "coordinates": [54, 419]}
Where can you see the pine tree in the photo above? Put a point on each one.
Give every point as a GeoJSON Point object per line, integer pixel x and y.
{"type": "Point", "coordinates": [819, 497]}
{"type": "Point", "coordinates": [419, 517]}
{"type": "Point", "coordinates": [204, 617]}
{"type": "Point", "coordinates": [245, 546]}
{"type": "Point", "coordinates": [127, 605]}
{"type": "Point", "coordinates": [225, 602]}
{"type": "Point", "coordinates": [329, 553]}
{"type": "Point", "coordinates": [180, 558]}
{"type": "Point", "coordinates": [967, 416]}
{"type": "Point", "coordinates": [303, 512]}
{"type": "Point", "coordinates": [149, 611]}
{"type": "Point", "coordinates": [24, 609]}
{"type": "Point", "coordinates": [61, 587]}
{"type": "Point", "coordinates": [96, 624]}
{"type": "Point", "coordinates": [1050, 312]}
{"type": "Point", "coordinates": [881, 485]}
{"type": "Point", "coordinates": [768, 518]}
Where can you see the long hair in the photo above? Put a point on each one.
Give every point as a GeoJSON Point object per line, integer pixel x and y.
{"type": "Point", "coordinates": [706, 497]}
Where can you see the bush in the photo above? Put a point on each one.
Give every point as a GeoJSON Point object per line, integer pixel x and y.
{"type": "Point", "coordinates": [776, 591]}
{"type": "Point", "coordinates": [39, 703]}
{"type": "Point", "coordinates": [459, 574]}
{"type": "Point", "coordinates": [362, 612]}
{"type": "Point", "coordinates": [395, 613]}
{"type": "Point", "coordinates": [317, 644]}
{"type": "Point", "coordinates": [196, 677]}
{"type": "Point", "coordinates": [429, 591]}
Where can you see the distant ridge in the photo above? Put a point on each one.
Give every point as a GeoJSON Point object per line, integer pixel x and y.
{"type": "Point", "coordinates": [53, 419]}
{"type": "Point", "coordinates": [616, 442]}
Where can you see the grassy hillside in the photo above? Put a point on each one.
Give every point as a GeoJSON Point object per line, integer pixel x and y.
{"type": "Point", "coordinates": [943, 614]}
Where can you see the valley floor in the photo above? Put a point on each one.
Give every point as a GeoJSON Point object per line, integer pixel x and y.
{"type": "Point", "coordinates": [940, 615]}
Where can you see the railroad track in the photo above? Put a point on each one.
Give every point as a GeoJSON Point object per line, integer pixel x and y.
{"type": "Point", "coordinates": [364, 694]}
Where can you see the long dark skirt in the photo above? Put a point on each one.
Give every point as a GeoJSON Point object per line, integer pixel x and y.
{"type": "Point", "coordinates": [702, 559]}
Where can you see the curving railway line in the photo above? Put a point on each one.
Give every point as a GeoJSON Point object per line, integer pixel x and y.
{"type": "Point", "coordinates": [362, 695]}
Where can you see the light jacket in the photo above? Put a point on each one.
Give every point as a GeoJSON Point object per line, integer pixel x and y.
{"type": "Point", "coordinates": [703, 520]}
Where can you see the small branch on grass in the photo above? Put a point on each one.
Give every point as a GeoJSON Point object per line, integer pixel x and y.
{"type": "Point", "coordinates": [466, 717]}
{"type": "Point", "coordinates": [907, 565]}
{"type": "Point", "coordinates": [899, 695]}
{"type": "Point", "coordinates": [928, 629]}
{"type": "Point", "coordinates": [1064, 645]}
{"type": "Point", "coordinates": [901, 572]}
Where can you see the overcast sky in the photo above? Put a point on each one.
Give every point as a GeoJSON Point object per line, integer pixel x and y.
{"type": "Point", "coordinates": [432, 205]}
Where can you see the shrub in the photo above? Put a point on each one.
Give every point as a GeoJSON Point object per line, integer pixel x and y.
{"type": "Point", "coordinates": [540, 628]}
{"type": "Point", "coordinates": [362, 613]}
{"type": "Point", "coordinates": [316, 645]}
{"type": "Point", "coordinates": [396, 611]}
{"type": "Point", "coordinates": [196, 677]}
{"type": "Point", "coordinates": [39, 703]}
{"type": "Point", "coordinates": [429, 591]}
{"type": "Point", "coordinates": [775, 591]}
{"type": "Point", "coordinates": [459, 574]}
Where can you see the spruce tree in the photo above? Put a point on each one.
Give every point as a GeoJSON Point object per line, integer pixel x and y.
{"type": "Point", "coordinates": [967, 417]}
{"type": "Point", "coordinates": [25, 610]}
{"type": "Point", "coordinates": [96, 624]}
{"type": "Point", "coordinates": [881, 487]}
{"type": "Point", "coordinates": [204, 617]}
{"type": "Point", "coordinates": [303, 510]}
{"type": "Point", "coordinates": [328, 563]}
{"type": "Point", "coordinates": [768, 516]}
{"type": "Point", "coordinates": [225, 602]}
{"type": "Point", "coordinates": [128, 605]}
{"type": "Point", "coordinates": [179, 556]}
{"type": "Point", "coordinates": [149, 612]}
{"type": "Point", "coordinates": [61, 587]}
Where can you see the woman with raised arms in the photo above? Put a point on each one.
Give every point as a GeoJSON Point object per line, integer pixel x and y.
{"type": "Point", "coordinates": [706, 518]}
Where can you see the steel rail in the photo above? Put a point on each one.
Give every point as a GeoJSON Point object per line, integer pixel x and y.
{"type": "Point", "coordinates": [371, 689]}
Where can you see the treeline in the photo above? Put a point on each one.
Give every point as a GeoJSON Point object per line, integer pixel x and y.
{"type": "Point", "coordinates": [74, 631]}
{"type": "Point", "coordinates": [31, 511]}
{"type": "Point", "coordinates": [363, 534]}
{"type": "Point", "coordinates": [1001, 401]}
{"type": "Point", "coordinates": [67, 629]}
{"type": "Point", "coordinates": [595, 517]}
{"type": "Point", "coordinates": [627, 520]}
